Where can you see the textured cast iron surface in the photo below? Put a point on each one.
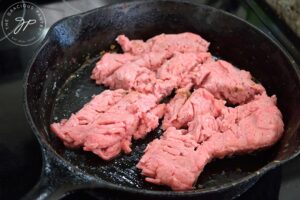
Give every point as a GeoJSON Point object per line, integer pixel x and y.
{"type": "Point", "coordinates": [58, 84]}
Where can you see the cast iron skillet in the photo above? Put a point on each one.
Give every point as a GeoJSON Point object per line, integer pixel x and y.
{"type": "Point", "coordinates": [57, 83]}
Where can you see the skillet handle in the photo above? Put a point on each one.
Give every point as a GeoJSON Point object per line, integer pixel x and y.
{"type": "Point", "coordinates": [57, 180]}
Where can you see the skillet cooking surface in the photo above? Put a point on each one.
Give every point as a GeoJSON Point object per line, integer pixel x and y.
{"type": "Point", "coordinates": [58, 83]}
{"type": "Point", "coordinates": [78, 90]}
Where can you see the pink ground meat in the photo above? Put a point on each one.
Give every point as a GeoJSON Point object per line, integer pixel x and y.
{"type": "Point", "coordinates": [227, 82]}
{"type": "Point", "coordinates": [219, 131]}
{"type": "Point", "coordinates": [172, 160]}
{"type": "Point", "coordinates": [183, 42]}
{"type": "Point", "coordinates": [132, 76]}
{"type": "Point", "coordinates": [198, 125]}
{"type": "Point", "coordinates": [258, 123]}
{"type": "Point", "coordinates": [90, 111]}
{"type": "Point", "coordinates": [144, 76]}
{"type": "Point", "coordinates": [107, 124]}
{"type": "Point", "coordinates": [177, 64]}
{"type": "Point", "coordinates": [109, 63]}
{"type": "Point", "coordinates": [185, 106]}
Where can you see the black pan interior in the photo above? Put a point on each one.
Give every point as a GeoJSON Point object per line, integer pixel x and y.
{"type": "Point", "coordinates": [59, 83]}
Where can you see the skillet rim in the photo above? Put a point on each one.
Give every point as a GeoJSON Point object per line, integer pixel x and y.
{"type": "Point", "coordinates": [223, 187]}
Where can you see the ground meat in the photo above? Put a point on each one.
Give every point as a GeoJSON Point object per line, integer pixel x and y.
{"type": "Point", "coordinates": [153, 60]}
{"type": "Point", "coordinates": [173, 109]}
{"type": "Point", "coordinates": [198, 126]}
{"type": "Point", "coordinates": [159, 73]}
{"type": "Point", "coordinates": [132, 76]}
{"type": "Point", "coordinates": [172, 160]}
{"type": "Point", "coordinates": [107, 124]}
{"type": "Point", "coordinates": [109, 63]}
{"type": "Point", "coordinates": [149, 121]}
{"type": "Point", "coordinates": [135, 47]}
{"type": "Point", "coordinates": [258, 124]}
{"type": "Point", "coordinates": [179, 66]}
{"type": "Point", "coordinates": [245, 128]}
{"type": "Point", "coordinates": [183, 42]}
{"type": "Point", "coordinates": [183, 108]}
{"type": "Point", "coordinates": [227, 82]}
{"type": "Point", "coordinates": [144, 75]}
{"type": "Point", "coordinates": [90, 111]}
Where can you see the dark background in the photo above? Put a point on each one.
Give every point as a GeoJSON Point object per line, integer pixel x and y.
{"type": "Point", "coordinates": [20, 156]}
